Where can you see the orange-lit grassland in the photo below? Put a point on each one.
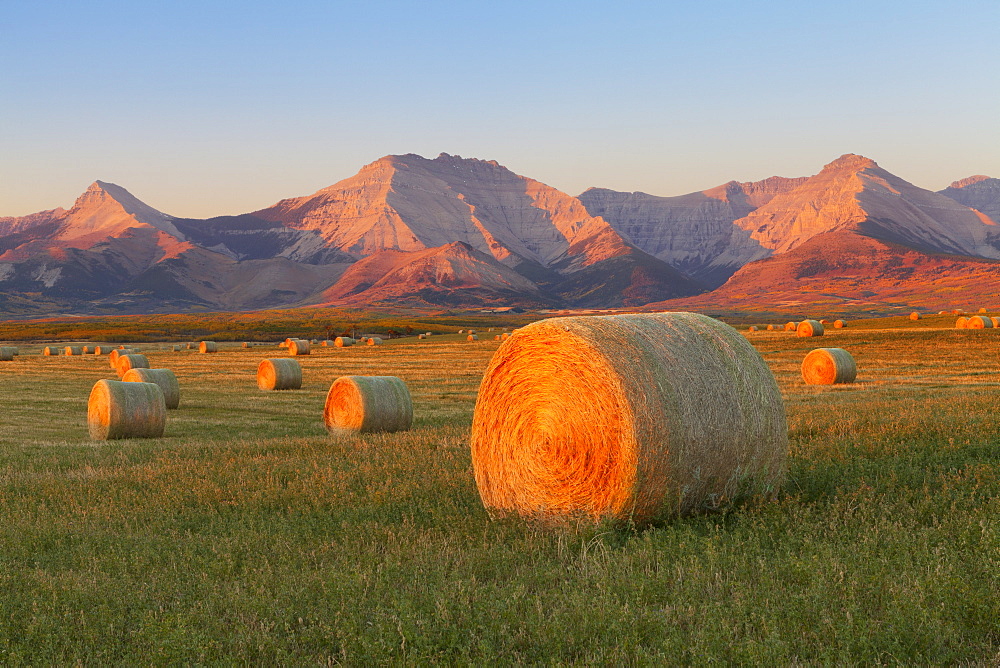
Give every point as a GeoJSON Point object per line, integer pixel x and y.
{"type": "Point", "coordinates": [247, 533]}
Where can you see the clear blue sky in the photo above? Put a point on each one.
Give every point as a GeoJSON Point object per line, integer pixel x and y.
{"type": "Point", "coordinates": [207, 108]}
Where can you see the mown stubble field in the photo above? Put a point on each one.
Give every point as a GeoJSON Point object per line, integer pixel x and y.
{"type": "Point", "coordinates": [249, 535]}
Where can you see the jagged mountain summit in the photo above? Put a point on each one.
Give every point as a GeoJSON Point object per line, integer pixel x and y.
{"type": "Point", "coordinates": [408, 230]}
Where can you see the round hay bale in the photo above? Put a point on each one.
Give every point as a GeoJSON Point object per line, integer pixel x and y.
{"type": "Point", "coordinates": [374, 341]}
{"type": "Point", "coordinates": [50, 351]}
{"type": "Point", "coordinates": [175, 349]}
{"type": "Point", "coordinates": [790, 326]}
{"type": "Point", "coordinates": [327, 343]}
{"type": "Point", "coordinates": [824, 322]}
{"type": "Point", "coordinates": [504, 336]}
{"type": "Point", "coordinates": [770, 328]}
{"type": "Point", "coordinates": [839, 324]}
{"type": "Point", "coordinates": [208, 347]}
{"type": "Point", "coordinates": [827, 366]}
{"type": "Point", "coordinates": [165, 378]}
{"type": "Point", "coordinates": [6, 354]}
{"type": "Point", "coordinates": [85, 350]}
{"type": "Point", "coordinates": [100, 350]}
{"type": "Point", "coordinates": [246, 344]}
{"type": "Point", "coordinates": [958, 311]}
{"type": "Point", "coordinates": [360, 404]}
{"type": "Point", "coordinates": [942, 313]}
{"type": "Point", "coordinates": [472, 331]}
{"type": "Point", "coordinates": [996, 321]}
{"type": "Point", "coordinates": [626, 417]}
{"type": "Point", "coordinates": [73, 350]}
{"type": "Point", "coordinates": [427, 333]}
{"type": "Point", "coordinates": [472, 337]}
{"type": "Point", "coordinates": [962, 323]}
{"type": "Point", "coordinates": [343, 341]}
{"type": "Point", "coordinates": [752, 328]}
{"type": "Point", "coordinates": [915, 316]}
{"type": "Point", "coordinates": [130, 361]}
{"type": "Point", "coordinates": [299, 347]}
{"type": "Point", "coordinates": [983, 310]}
{"type": "Point", "coordinates": [496, 338]}
{"type": "Point", "coordinates": [809, 328]}
{"type": "Point", "coordinates": [125, 410]}
{"type": "Point", "coordinates": [279, 374]}
{"type": "Point", "coordinates": [116, 353]}
{"type": "Point", "coordinates": [979, 322]}
{"type": "Point", "coordinates": [461, 331]}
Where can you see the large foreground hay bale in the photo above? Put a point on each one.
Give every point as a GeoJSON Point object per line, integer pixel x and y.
{"type": "Point", "coordinates": [368, 404]}
{"type": "Point", "coordinates": [126, 410]}
{"type": "Point", "coordinates": [279, 374]}
{"type": "Point", "coordinates": [915, 315]}
{"type": "Point", "coordinates": [208, 347]}
{"type": "Point", "coordinates": [343, 341]}
{"type": "Point", "coordinates": [131, 361]}
{"type": "Point", "coordinates": [626, 417]}
{"type": "Point", "coordinates": [809, 328]}
{"type": "Point", "coordinates": [165, 378]}
{"type": "Point", "coordinates": [73, 350]}
{"type": "Point", "coordinates": [979, 322]}
{"type": "Point", "coordinates": [962, 323]}
{"type": "Point", "coordinates": [827, 366]}
{"type": "Point", "coordinates": [299, 347]}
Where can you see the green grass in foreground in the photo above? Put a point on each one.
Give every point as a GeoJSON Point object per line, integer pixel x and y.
{"type": "Point", "coordinates": [248, 535]}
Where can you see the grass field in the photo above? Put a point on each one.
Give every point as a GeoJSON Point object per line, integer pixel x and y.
{"type": "Point", "coordinates": [248, 535]}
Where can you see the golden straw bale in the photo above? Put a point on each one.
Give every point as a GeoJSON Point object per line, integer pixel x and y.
{"type": "Point", "coordinates": [208, 347]}
{"type": "Point", "coordinates": [427, 333]}
{"type": "Point", "coordinates": [374, 341]}
{"type": "Point", "coordinates": [790, 326]}
{"type": "Point", "coordinates": [983, 310]}
{"type": "Point", "coordinates": [85, 350]}
{"type": "Point", "coordinates": [343, 341]}
{"type": "Point", "coordinates": [420, 337]}
{"type": "Point", "coordinates": [472, 331]}
{"type": "Point", "coordinates": [190, 346]}
{"type": "Point", "coordinates": [504, 336]}
{"type": "Point", "coordinates": [327, 343]}
{"type": "Point", "coordinates": [979, 322]}
{"type": "Point", "coordinates": [116, 353]}
{"type": "Point", "coordinates": [827, 366]}
{"type": "Point", "coordinates": [915, 315]}
{"type": "Point", "coordinates": [962, 323]}
{"type": "Point", "coordinates": [100, 350]}
{"type": "Point", "coordinates": [839, 324]}
{"type": "Point", "coordinates": [496, 338]}
{"type": "Point", "coordinates": [165, 378]}
{"type": "Point", "coordinates": [130, 361]}
{"type": "Point", "coordinates": [279, 374]}
{"type": "Point", "coordinates": [770, 328]}
{"type": "Point", "coordinates": [126, 410]}
{"type": "Point", "coordinates": [6, 354]}
{"type": "Point", "coordinates": [368, 404]}
{"type": "Point", "coordinates": [299, 347]}
{"type": "Point", "coordinates": [461, 331]}
{"type": "Point", "coordinates": [958, 311]}
{"type": "Point", "coordinates": [752, 328]}
{"type": "Point", "coordinates": [73, 350]}
{"type": "Point", "coordinates": [942, 313]}
{"type": "Point", "coordinates": [996, 321]}
{"type": "Point", "coordinates": [50, 351]}
{"type": "Point", "coordinates": [175, 349]}
{"type": "Point", "coordinates": [245, 344]}
{"type": "Point", "coordinates": [809, 328]}
{"type": "Point", "coordinates": [629, 417]}
{"type": "Point", "coordinates": [472, 337]}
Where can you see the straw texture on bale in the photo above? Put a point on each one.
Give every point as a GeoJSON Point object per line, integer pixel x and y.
{"type": "Point", "coordinates": [635, 417]}
{"type": "Point", "coordinates": [208, 347]}
{"type": "Point", "coordinates": [73, 350]}
{"type": "Point", "coordinates": [49, 351]}
{"type": "Point", "coordinates": [472, 337]}
{"type": "Point", "coordinates": [131, 361]}
{"type": "Point", "coordinates": [126, 410]}
{"type": "Point", "coordinates": [6, 354]}
{"type": "Point", "coordinates": [790, 326]}
{"type": "Point", "coordinates": [343, 341]}
{"type": "Point", "coordinates": [962, 323]}
{"type": "Point", "coordinates": [839, 324]}
{"type": "Point", "coordinates": [299, 347]}
{"type": "Point", "coordinates": [979, 322]}
{"type": "Point", "coordinates": [360, 404]}
{"type": "Point", "coordinates": [829, 366]}
{"type": "Point", "coordinates": [915, 315]}
{"type": "Point", "coordinates": [996, 321]}
{"type": "Point", "coordinates": [116, 353]}
{"type": "Point", "coordinates": [809, 328]}
{"type": "Point", "coordinates": [279, 374]}
{"type": "Point", "coordinates": [374, 341]}
{"type": "Point", "coordinates": [165, 378]}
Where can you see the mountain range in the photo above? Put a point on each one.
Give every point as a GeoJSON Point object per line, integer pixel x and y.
{"type": "Point", "coordinates": [455, 232]}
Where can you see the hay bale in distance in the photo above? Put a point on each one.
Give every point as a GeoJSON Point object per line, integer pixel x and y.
{"type": "Point", "coordinates": [770, 328]}
{"type": "Point", "coordinates": [130, 361]}
{"type": "Point", "coordinates": [73, 350]}
{"type": "Point", "coordinates": [100, 350]}
{"type": "Point", "coordinates": [175, 349]}
{"type": "Point", "coordinates": [839, 324]}
{"type": "Point", "coordinates": [118, 352]}
{"type": "Point", "coordinates": [809, 328]}
{"type": "Point", "coordinates": [962, 323]}
{"type": "Point", "coordinates": [626, 417]}
{"type": "Point", "coordinates": [208, 347]}
{"type": "Point", "coordinates": [828, 366]}
{"type": "Point", "coordinates": [190, 346]}
{"type": "Point", "coordinates": [6, 353]}
{"type": "Point", "coordinates": [983, 310]}
{"type": "Point", "coordinates": [125, 410]}
{"type": "Point", "coordinates": [85, 350]}
{"type": "Point", "coordinates": [824, 322]}
{"type": "Point", "coordinates": [165, 378]}
{"type": "Point", "coordinates": [374, 341]}
{"type": "Point", "coordinates": [790, 326]}
{"type": "Point", "coordinates": [279, 374]}
{"type": "Point", "coordinates": [915, 315]}
{"type": "Point", "coordinates": [343, 341]}
{"type": "Point", "coordinates": [299, 347]}
{"type": "Point", "coordinates": [979, 322]}
{"type": "Point", "coordinates": [50, 351]}
{"type": "Point", "coordinates": [996, 321]}
{"type": "Point", "coordinates": [361, 404]}
{"type": "Point", "coordinates": [496, 338]}
{"type": "Point", "coordinates": [472, 337]}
